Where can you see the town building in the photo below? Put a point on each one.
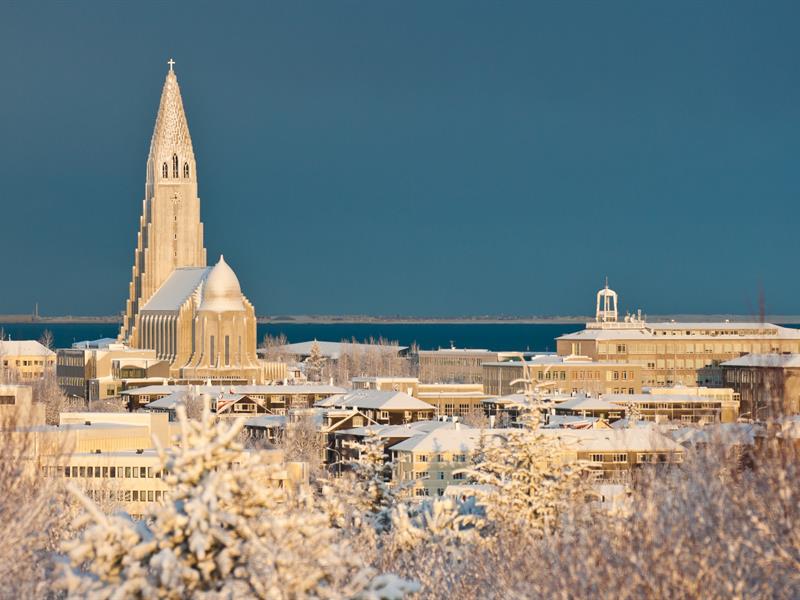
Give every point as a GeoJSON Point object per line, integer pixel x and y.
{"type": "Point", "coordinates": [561, 374]}
{"type": "Point", "coordinates": [25, 360]}
{"type": "Point", "coordinates": [588, 406]}
{"type": "Point", "coordinates": [99, 369]}
{"type": "Point", "coordinates": [768, 385]}
{"type": "Point", "coordinates": [274, 399]}
{"type": "Point", "coordinates": [18, 408]}
{"type": "Point", "coordinates": [380, 407]}
{"type": "Point", "coordinates": [112, 458]}
{"type": "Point", "coordinates": [450, 399]}
{"type": "Point", "coordinates": [193, 316]}
{"type": "Point", "coordinates": [670, 353]}
{"type": "Point", "coordinates": [454, 365]}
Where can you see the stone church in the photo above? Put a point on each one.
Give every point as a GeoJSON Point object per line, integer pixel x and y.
{"type": "Point", "coordinates": [192, 315]}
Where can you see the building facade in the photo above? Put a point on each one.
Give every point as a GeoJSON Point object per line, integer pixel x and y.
{"type": "Point", "coordinates": [25, 360]}
{"type": "Point", "coordinates": [561, 374]}
{"type": "Point", "coordinates": [672, 353]}
{"type": "Point", "coordinates": [768, 385]}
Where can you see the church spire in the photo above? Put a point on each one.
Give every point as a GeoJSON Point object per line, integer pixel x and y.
{"type": "Point", "coordinates": [171, 155]}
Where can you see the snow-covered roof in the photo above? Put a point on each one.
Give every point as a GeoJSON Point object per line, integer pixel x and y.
{"type": "Point", "coordinates": [177, 288]}
{"type": "Point", "coordinates": [266, 421]}
{"type": "Point", "coordinates": [377, 400]}
{"type": "Point", "coordinates": [450, 440]}
{"type": "Point", "coordinates": [332, 350]}
{"type": "Point", "coordinates": [98, 344]}
{"type": "Point", "coordinates": [548, 359]}
{"type": "Point", "coordinates": [458, 351]}
{"type": "Point", "coordinates": [582, 402]}
{"type": "Point", "coordinates": [783, 361]}
{"type": "Point", "coordinates": [720, 330]}
{"type": "Point", "coordinates": [561, 421]}
{"type": "Point", "coordinates": [402, 431]}
{"type": "Point", "coordinates": [24, 348]}
{"type": "Point", "coordinates": [640, 439]}
{"type": "Point", "coordinates": [729, 434]}
{"type": "Point", "coordinates": [509, 400]}
{"type": "Point", "coordinates": [150, 390]}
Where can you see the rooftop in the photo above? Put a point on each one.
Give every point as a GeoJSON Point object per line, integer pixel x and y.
{"type": "Point", "coordinates": [181, 284]}
{"type": "Point", "coordinates": [783, 361]}
{"type": "Point", "coordinates": [378, 400]}
{"type": "Point", "coordinates": [24, 348]}
{"type": "Point", "coordinates": [723, 330]}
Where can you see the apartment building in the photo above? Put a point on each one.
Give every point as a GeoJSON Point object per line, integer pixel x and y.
{"type": "Point", "coordinates": [561, 374]}
{"type": "Point", "coordinates": [671, 353]}
{"type": "Point", "coordinates": [450, 399]}
{"type": "Point", "coordinates": [275, 399]}
{"type": "Point", "coordinates": [768, 385]}
{"type": "Point", "coordinates": [96, 370]}
{"type": "Point", "coordinates": [25, 360]}
{"type": "Point", "coordinates": [426, 465]}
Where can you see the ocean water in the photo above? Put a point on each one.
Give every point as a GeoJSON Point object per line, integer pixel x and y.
{"type": "Point", "coordinates": [429, 336]}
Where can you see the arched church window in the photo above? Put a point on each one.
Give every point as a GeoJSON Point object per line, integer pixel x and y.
{"type": "Point", "coordinates": [175, 166]}
{"type": "Point", "coordinates": [186, 170]}
{"type": "Point", "coordinates": [164, 171]}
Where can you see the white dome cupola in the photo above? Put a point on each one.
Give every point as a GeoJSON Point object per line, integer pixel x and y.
{"type": "Point", "coordinates": [221, 291]}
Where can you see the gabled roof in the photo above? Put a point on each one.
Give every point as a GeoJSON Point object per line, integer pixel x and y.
{"type": "Point", "coordinates": [377, 400]}
{"type": "Point", "coordinates": [24, 348]}
{"type": "Point", "coordinates": [176, 289]}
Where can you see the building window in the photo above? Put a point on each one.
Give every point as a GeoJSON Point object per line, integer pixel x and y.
{"type": "Point", "coordinates": [175, 166]}
{"type": "Point", "coordinates": [186, 170]}
{"type": "Point", "coordinates": [164, 171]}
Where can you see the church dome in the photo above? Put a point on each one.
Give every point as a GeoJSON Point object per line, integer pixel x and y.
{"type": "Point", "coordinates": [221, 292]}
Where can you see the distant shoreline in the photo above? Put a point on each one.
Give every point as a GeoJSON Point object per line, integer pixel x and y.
{"type": "Point", "coordinates": [398, 320]}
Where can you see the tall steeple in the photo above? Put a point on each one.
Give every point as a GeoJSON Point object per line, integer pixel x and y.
{"type": "Point", "coordinates": [170, 230]}
{"type": "Point", "coordinates": [171, 156]}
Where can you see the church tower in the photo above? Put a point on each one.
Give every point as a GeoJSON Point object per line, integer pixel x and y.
{"type": "Point", "coordinates": [170, 230]}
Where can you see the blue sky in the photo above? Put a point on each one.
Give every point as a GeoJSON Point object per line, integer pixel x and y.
{"type": "Point", "coordinates": [428, 158]}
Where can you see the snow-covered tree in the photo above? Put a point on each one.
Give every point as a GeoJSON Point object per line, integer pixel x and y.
{"type": "Point", "coordinates": [448, 521]}
{"type": "Point", "coordinates": [524, 479]}
{"type": "Point", "coordinates": [315, 362]}
{"type": "Point", "coordinates": [362, 494]}
{"type": "Point", "coordinates": [223, 532]}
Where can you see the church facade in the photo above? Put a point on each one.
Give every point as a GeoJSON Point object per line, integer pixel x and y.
{"type": "Point", "coordinates": [193, 316]}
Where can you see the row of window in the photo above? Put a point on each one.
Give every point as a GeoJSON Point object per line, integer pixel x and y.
{"type": "Point", "coordinates": [104, 472]}
{"type": "Point", "coordinates": [698, 348]}
{"type": "Point", "coordinates": [440, 458]}
{"type": "Point", "coordinates": [127, 495]}
{"type": "Point", "coordinates": [28, 363]}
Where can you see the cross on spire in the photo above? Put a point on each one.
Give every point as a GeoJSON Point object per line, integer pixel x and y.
{"type": "Point", "coordinates": [171, 63]}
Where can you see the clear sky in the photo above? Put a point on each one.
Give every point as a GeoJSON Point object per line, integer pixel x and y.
{"type": "Point", "coordinates": [418, 158]}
